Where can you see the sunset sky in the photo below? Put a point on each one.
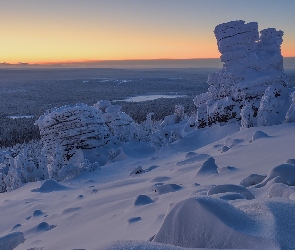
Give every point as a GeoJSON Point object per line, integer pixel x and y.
{"type": "Point", "coordinates": [41, 31]}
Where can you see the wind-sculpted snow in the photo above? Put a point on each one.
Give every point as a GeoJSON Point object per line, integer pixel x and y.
{"type": "Point", "coordinates": [209, 167]}
{"type": "Point", "coordinates": [50, 186]}
{"type": "Point", "coordinates": [285, 171]}
{"type": "Point", "coordinates": [207, 222]}
{"type": "Point", "coordinates": [11, 241]}
{"type": "Point", "coordinates": [252, 179]}
{"type": "Point", "coordinates": [230, 188]}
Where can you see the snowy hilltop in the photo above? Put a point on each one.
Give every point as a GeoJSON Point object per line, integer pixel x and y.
{"type": "Point", "coordinates": [222, 178]}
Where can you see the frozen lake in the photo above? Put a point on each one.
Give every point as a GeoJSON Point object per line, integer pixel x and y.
{"type": "Point", "coordinates": [143, 98]}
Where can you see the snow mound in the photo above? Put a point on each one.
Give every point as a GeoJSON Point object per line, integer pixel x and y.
{"type": "Point", "coordinates": [290, 161]}
{"type": "Point", "coordinates": [137, 170]}
{"type": "Point", "coordinates": [142, 200]}
{"type": "Point", "coordinates": [280, 190]}
{"type": "Point", "coordinates": [12, 240]}
{"type": "Point", "coordinates": [190, 154]}
{"type": "Point", "coordinates": [259, 134]}
{"type": "Point", "coordinates": [285, 171]}
{"type": "Point", "coordinates": [71, 210]}
{"type": "Point", "coordinates": [208, 167]}
{"type": "Point", "coordinates": [209, 223]}
{"type": "Point", "coordinates": [41, 227]}
{"type": "Point", "coordinates": [16, 226]}
{"type": "Point", "coordinates": [37, 213]}
{"type": "Point", "coordinates": [252, 179]}
{"type": "Point", "coordinates": [277, 179]}
{"type": "Point", "coordinates": [192, 159]}
{"type": "Point", "coordinates": [229, 196]}
{"type": "Point", "coordinates": [50, 186]}
{"type": "Point", "coordinates": [166, 188]}
{"type": "Point", "coordinates": [231, 188]}
{"type": "Point", "coordinates": [229, 142]}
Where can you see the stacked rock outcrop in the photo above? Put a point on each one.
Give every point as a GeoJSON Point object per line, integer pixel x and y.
{"type": "Point", "coordinates": [72, 127]}
{"type": "Point", "coordinates": [251, 63]}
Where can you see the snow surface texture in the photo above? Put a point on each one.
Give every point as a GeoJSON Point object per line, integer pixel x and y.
{"type": "Point", "coordinates": [252, 85]}
{"type": "Point", "coordinates": [114, 210]}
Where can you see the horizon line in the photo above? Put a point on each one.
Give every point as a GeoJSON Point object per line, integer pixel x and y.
{"type": "Point", "coordinates": [99, 61]}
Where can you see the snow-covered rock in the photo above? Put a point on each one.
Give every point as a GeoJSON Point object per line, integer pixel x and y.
{"type": "Point", "coordinates": [67, 130]}
{"type": "Point", "coordinates": [252, 68]}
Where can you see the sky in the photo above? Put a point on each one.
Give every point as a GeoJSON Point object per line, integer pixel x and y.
{"type": "Point", "coordinates": [43, 31]}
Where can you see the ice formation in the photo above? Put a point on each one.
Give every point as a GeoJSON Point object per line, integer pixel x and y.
{"type": "Point", "coordinates": [252, 70]}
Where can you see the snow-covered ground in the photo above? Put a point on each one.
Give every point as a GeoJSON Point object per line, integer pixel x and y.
{"type": "Point", "coordinates": [94, 209]}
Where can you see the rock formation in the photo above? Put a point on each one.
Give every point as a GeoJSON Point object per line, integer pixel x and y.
{"type": "Point", "coordinates": [251, 63]}
{"type": "Point", "coordinates": [67, 130]}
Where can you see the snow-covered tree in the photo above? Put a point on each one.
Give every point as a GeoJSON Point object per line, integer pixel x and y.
{"type": "Point", "coordinates": [290, 116]}
{"type": "Point", "coordinates": [274, 105]}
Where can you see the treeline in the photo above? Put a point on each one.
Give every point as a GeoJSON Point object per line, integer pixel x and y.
{"type": "Point", "coordinates": [17, 131]}
{"type": "Point", "coordinates": [23, 130]}
{"type": "Point", "coordinates": [160, 107]}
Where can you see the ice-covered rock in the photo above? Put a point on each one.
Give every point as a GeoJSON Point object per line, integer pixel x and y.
{"type": "Point", "coordinates": [251, 64]}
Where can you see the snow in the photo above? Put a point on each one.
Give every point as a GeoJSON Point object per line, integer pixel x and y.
{"type": "Point", "coordinates": [49, 186]}
{"type": "Point", "coordinates": [211, 223]}
{"type": "Point", "coordinates": [108, 205]}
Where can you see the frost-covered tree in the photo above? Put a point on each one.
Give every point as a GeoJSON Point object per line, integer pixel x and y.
{"type": "Point", "coordinates": [290, 116]}
{"type": "Point", "coordinates": [118, 122]}
{"type": "Point", "coordinates": [274, 105]}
